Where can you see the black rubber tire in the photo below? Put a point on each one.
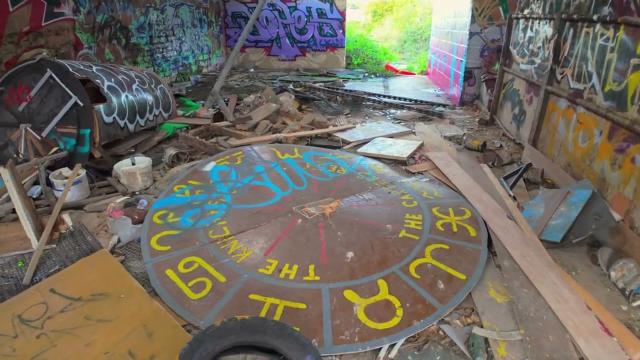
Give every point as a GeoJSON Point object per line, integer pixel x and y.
{"type": "Point", "coordinates": [251, 333]}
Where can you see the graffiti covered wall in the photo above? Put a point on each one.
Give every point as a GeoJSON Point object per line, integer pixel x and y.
{"type": "Point", "coordinates": [449, 41]}
{"type": "Point", "coordinates": [486, 35]}
{"type": "Point", "coordinates": [289, 33]}
{"type": "Point", "coordinates": [168, 37]}
{"type": "Point", "coordinates": [589, 146]}
{"type": "Point", "coordinates": [27, 25]}
{"type": "Point", "coordinates": [518, 100]}
{"type": "Point", "coordinates": [601, 63]}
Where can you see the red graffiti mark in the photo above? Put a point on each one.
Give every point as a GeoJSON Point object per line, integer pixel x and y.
{"type": "Point", "coordinates": [16, 95]}
{"type": "Point", "coordinates": [41, 14]}
{"type": "Point", "coordinates": [323, 244]}
{"type": "Point", "coordinates": [281, 237]}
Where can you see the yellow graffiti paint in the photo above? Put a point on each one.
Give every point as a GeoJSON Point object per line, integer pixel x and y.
{"type": "Point", "coordinates": [296, 154]}
{"type": "Point", "coordinates": [501, 350]}
{"type": "Point", "coordinates": [164, 216]}
{"type": "Point", "coordinates": [591, 147]}
{"type": "Point", "coordinates": [190, 264]}
{"type": "Point", "coordinates": [154, 239]}
{"type": "Point", "coordinates": [428, 259]}
{"type": "Point", "coordinates": [383, 295]}
{"type": "Point", "coordinates": [280, 305]}
{"type": "Point", "coordinates": [498, 292]}
{"type": "Point", "coordinates": [454, 220]}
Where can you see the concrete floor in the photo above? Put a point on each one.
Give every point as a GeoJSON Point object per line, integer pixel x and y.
{"type": "Point", "coordinates": [413, 87]}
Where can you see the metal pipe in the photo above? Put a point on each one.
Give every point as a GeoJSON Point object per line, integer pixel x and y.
{"type": "Point", "coordinates": [228, 64]}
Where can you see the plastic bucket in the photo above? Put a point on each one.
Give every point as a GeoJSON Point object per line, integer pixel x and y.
{"type": "Point", "coordinates": [135, 173]}
{"type": "Point", "coordinates": [79, 189]}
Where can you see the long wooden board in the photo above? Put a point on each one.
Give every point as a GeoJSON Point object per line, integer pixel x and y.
{"type": "Point", "coordinates": [629, 342]}
{"type": "Point", "coordinates": [266, 139]}
{"type": "Point", "coordinates": [92, 310]}
{"type": "Point", "coordinates": [534, 260]}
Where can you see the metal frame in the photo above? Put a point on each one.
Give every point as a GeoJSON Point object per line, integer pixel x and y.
{"type": "Point", "coordinates": [74, 99]}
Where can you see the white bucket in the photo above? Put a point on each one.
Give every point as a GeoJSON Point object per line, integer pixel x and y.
{"type": "Point", "coordinates": [134, 173]}
{"type": "Point", "coordinates": [79, 189]}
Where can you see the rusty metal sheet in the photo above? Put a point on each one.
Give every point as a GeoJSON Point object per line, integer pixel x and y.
{"type": "Point", "coordinates": [337, 245]}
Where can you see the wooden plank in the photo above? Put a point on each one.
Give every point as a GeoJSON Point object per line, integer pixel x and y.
{"type": "Point", "coordinates": [277, 137]}
{"type": "Point", "coordinates": [421, 167]}
{"type": "Point", "coordinates": [544, 337]}
{"type": "Point", "coordinates": [23, 205]}
{"type": "Point", "coordinates": [50, 224]}
{"type": "Point", "coordinates": [495, 307]}
{"type": "Point", "coordinates": [393, 149]}
{"type": "Point", "coordinates": [531, 256]}
{"type": "Point", "coordinates": [629, 342]}
{"type": "Point", "coordinates": [93, 309]}
{"type": "Point", "coordinates": [551, 169]}
{"type": "Point", "coordinates": [13, 239]}
{"type": "Point", "coordinates": [373, 130]}
{"type": "Point", "coordinates": [550, 208]}
{"type": "Point", "coordinates": [189, 121]}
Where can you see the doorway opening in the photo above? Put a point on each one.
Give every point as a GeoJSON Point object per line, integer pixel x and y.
{"type": "Point", "coordinates": [388, 32]}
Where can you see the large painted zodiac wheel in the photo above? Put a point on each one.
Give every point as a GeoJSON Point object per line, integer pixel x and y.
{"type": "Point", "coordinates": [341, 247]}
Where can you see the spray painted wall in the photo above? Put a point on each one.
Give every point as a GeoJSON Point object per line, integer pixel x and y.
{"type": "Point", "coordinates": [589, 146]}
{"type": "Point", "coordinates": [448, 49]}
{"type": "Point", "coordinates": [486, 34]}
{"type": "Point", "coordinates": [172, 38]}
{"type": "Point", "coordinates": [587, 119]}
{"type": "Point", "coordinates": [289, 33]}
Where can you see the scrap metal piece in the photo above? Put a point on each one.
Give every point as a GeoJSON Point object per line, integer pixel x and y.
{"type": "Point", "coordinates": [353, 254]}
{"type": "Point", "coordinates": [510, 180]}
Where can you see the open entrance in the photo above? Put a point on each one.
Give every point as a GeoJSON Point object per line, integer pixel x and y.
{"type": "Point", "coordinates": [388, 32]}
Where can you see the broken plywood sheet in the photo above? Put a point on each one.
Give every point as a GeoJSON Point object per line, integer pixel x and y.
{"type": "Point", "coordinates": [562, 216]}
{"type": "Point", "coordinates": [373, 130]}
{"type": "Point", "coordinates": [394, 149]}
{"type": "Point", "coordinates": [93, 309]}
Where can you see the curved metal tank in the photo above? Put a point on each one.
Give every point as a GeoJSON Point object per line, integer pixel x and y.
{"type": "Point", "coordinates": [75, 104]}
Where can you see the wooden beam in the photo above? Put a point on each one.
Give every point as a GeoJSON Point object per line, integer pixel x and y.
{"type": "Point", "coordinates": [33, 263]}
{"type": "Point", "coordinates": [23, 205]}
{"type": "Point", "coordinates": [266, 139]}
{"type": "Point", "coordinates": [629, 342]}
{"type": "Point", "coordinates": [536, 263]}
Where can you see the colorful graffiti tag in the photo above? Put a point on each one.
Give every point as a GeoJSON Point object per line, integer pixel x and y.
{"type": "Point", "coordinates": [518, 100]}
{"type": "Point", "coordinates": [298, 234]}
{"type": "Point", "coordinates": [592, 147]}
{"type": "Point", "coordinates": [602, 62]}
{"type": "Point", "coordinates": [135, 99]}
{"type": "Point", "coordinates": [485, 46]}
{"type": "Point", "coordinates": [288, 29]}
{"type": "Point", "coordinates": [580, 7]}
{"type": "Point", "coordinates": [448, 49]}
{"type": "Point", "coordinates": [22, 29]}
{"type": "Point", "coordinates": [531, 46]}
{"type": "Point", "coordinates": [170, 37]}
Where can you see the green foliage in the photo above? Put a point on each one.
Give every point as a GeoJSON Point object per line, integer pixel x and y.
{"type": "Point", "coordinates": [365, 53]}
{"type": "Point", "coordinates": [401, 27]}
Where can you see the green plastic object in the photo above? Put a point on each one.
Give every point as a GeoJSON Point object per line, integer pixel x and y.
{"type": "Point", "coordinates": [186, 106]}
{"type": "Point", "coordinates": [171, 128]}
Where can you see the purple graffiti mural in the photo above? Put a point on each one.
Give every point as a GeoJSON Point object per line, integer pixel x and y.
{"type": "Point", "coordinates": [288, 29]}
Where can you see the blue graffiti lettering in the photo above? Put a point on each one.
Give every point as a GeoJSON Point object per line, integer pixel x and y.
{"type": "Point", "coordinates": [208, 203]}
